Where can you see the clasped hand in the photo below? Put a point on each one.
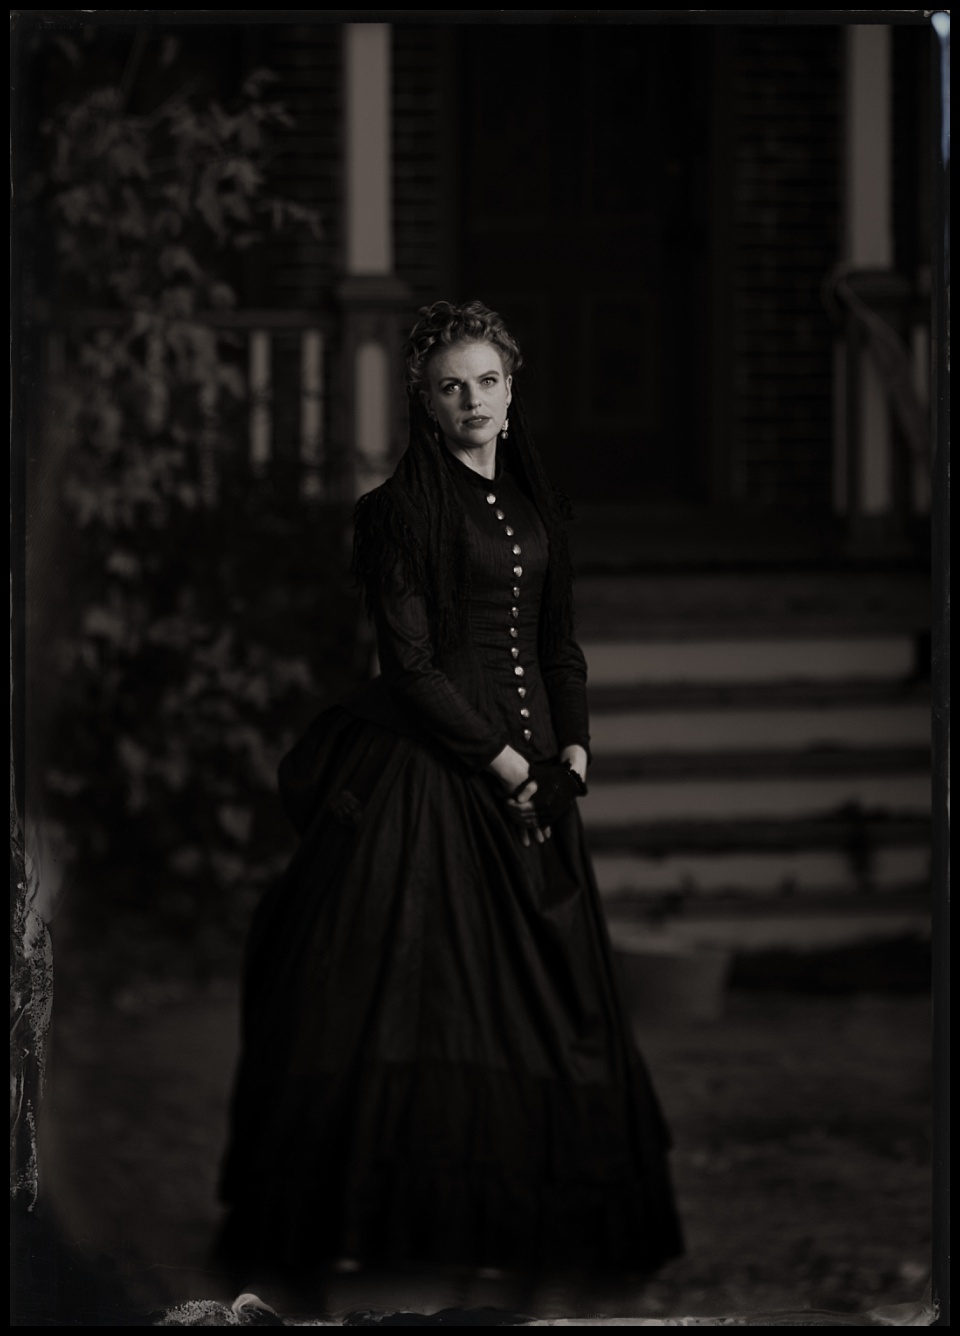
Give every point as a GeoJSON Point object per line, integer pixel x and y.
{"type": "Point", "coordinates": [522, 811]}
{"type": "Point", "coordinates": [546, 792]}
{"type": "Point", "coordinates": [539, 793]}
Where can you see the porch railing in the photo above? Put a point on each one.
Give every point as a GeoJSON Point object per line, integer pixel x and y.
{"type": "Point", "coordinates": [287, 417]}
{"type": "Point", "coordinates": [881, 403]}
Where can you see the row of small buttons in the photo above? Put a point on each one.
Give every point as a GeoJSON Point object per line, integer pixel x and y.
{"type": "Point", "coordinates": [514, 612]}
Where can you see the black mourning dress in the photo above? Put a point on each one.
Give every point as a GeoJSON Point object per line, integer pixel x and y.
{"type": "Point", "coordinates": [437, 1066]}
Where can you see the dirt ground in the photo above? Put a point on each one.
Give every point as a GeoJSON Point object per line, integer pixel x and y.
{"type": "Point", "coordinates": [802, 1148]}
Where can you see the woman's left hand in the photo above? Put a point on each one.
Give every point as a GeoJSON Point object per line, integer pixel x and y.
{"type": "Point", "coordinates": [577, 757]}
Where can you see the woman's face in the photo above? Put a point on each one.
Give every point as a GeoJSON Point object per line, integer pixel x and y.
{"type": "Point", "coordinates": [468, 394]}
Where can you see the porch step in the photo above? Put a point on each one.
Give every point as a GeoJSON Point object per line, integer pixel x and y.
{"type": "Point", "coordinates": [785, 659]}
{"type": "Point", "coordinates": [723, 800]}
{"type": "Point", "coordinates": [610, 697]}
{"type": "Point", "coordinates": [755, 767]}
{"type": "Point", "coordinates": [819, 761]}
{"type": "Point", "coordinates": [683, 724]}
{"type": "Point", "coordinates": [756, 876]}
{"type": "Point", "coordinates": [850, 829]}
{"type": "Point", "coordinates": [816, 926]}
{"type": "Point", "coordinates": [670, 606]}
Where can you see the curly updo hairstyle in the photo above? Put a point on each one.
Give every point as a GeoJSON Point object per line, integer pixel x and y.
{"type": "Point", "coordinates": [415, 524]}
{"type": "Point", "coordinates": [443, 324]}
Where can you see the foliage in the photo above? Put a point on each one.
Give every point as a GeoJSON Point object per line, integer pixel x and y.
{"type": "Point", "coordinates": [179, 686]}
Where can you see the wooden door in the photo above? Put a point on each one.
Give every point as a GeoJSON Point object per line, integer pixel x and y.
{"type": "Point", "coordinates": [583, 169]}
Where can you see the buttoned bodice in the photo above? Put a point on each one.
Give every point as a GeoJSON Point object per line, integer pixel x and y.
{"type": "Point", "coordinates": [508, 563]}
{"type": "Point", "coordinates": [496, 686]}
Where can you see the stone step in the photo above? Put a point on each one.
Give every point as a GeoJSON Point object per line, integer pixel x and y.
{"type": "Point", "coordinates": [753, 876]}
{"type": "Point", "coordinates": [617, 733]}
{"type": "Point", "coordinates": [611, 698]}
{"type": "Point", "coordinates": [760, 859]}
{"type": "Point", "coordinates": [814, 927]}
{"type": "Point", "coordinates": [853, 829]}
{"type": "Point", "coordinates": [757, 797]}
{"type": "Point", "coordinates": [755, 768]}
{"type": "Point", "coordinates": [701, 604]}
{"type": "Point", "coordinates": [818, 761]}
{"type": "Point", "coordinates": [761, 660]}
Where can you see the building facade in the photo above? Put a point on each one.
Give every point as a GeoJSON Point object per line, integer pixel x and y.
{"type": "Point", "coordinates": [713, 242]}
{"type": "Point", "coordinates": [667, 215]}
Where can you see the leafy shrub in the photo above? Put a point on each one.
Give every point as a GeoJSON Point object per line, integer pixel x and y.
{"type": "Point", "coordinates": [202, 602]}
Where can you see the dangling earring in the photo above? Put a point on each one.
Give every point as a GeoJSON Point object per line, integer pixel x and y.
{"type": "Point", "coordinates": [505, 429]}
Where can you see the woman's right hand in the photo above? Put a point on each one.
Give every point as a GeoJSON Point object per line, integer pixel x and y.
{"type": "Point", "coordinates": [511, 768]}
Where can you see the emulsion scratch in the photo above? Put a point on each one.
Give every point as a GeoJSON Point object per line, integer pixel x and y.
{"type": "Point", "coordinates": [31, 1007]}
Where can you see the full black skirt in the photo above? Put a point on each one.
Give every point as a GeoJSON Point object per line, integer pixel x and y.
{"type": "Point", "coordinates": [437, 1067]}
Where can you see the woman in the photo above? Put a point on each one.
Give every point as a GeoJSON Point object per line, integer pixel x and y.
{"type": "Point", "coordinates": [437, 1066]}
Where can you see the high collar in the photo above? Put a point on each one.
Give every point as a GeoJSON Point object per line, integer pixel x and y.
{"type": "Point", "coordinates": [470, 475]}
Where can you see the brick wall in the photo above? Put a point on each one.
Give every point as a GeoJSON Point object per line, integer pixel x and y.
{"type": "Point", "coordinates": [308, 166]}
{"type": "Point", "coordinates": [787, 128]}
{"type": "Point", "coordinates": [786, 200]}
{"type": "Point", "coordinates": [300, 273]}
{"type": "Point", "coordinates": [423, 190]}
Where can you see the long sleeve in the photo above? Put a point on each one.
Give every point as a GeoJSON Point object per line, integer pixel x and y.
{"type": "Point", "coordinates": [565, 678]}
{"type": "Point", "coordinates": [432, 699]}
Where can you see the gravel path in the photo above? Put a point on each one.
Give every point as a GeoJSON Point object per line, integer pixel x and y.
{"type": "Point", "coordinates": [802, 1157]}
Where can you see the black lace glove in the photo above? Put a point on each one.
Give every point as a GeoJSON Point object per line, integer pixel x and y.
{"type": "Point", "coordinates": [558, 788]}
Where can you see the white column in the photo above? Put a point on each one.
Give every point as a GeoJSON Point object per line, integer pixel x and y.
{"type": "Point", "coordinates": [367, 51]}
{"type": "Point", "coordinates": [869, 233]}
{"type": "Point", "coordinates": [311, 413]}
{"type": "Point", "coordinates": [920, 347]}
{"type": "Point", "coordinates": [372, 416]}
{"type": "Point", "coordinates": [261, 393]}
{"type": "Point", "coordinates": [875, 464]}
{"type": "Point", "coordinates": [369, 213]}
{"type": "Point", "coordinates": [840, 464]}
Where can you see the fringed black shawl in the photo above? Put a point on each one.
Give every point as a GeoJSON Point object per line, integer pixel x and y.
{"type": "Point", "coordinates": [413, 526]}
